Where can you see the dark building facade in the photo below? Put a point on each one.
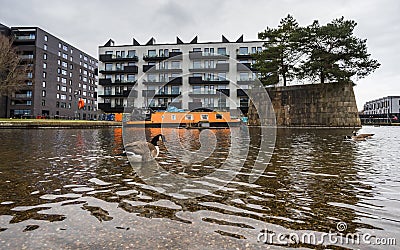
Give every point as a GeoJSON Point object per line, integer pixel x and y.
{"type": "Point", "coordinates": [58, 76]}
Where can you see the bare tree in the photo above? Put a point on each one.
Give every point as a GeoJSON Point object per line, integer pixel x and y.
{"type": "Point", "coordinates": [12, 72]}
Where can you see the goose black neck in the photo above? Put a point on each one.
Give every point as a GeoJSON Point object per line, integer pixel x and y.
{"type": "Point", "coordinates": [155, 140]}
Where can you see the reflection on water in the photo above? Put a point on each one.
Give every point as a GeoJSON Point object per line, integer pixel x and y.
{"type": "Point", "coordinates": [69, 188]}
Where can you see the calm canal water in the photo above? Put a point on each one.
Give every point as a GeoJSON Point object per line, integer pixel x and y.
{"type": "Point", "coordinates": [69, 189]}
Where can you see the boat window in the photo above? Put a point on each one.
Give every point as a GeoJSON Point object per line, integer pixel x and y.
{"type": "Point", "coordinates": [189, 117]}
{"type": "Point", "coordinates": [204, 117]}
{"type": "Point", "coordinates": [218, 116]}
{"type": "Point", "coordinates": [173, 117]}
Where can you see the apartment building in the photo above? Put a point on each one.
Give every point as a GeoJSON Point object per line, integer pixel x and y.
{"type": "Point", "coordinates": [189, 76]}
{"type": "Point", "coordinates": [58, 76]}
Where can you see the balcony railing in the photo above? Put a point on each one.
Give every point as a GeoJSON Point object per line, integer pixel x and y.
{"type": "Point", "coordinates": [25, 37]}
{"type": "Point", "coordinates": [245, 55]}
{"type": "Point", "coordinates": [104, 81]}
{"type": "Point", "coordinates": [245, 67]}
{"type": "Point", "coordinates": [154, 68]}
{"type": "Point", "coordinates": [160, 57]}
{"type": "Point", "coordinates": [22, 96]}
{"type": "Point", "coordinates": [125, 69]}
{"type": "Point", "coordinates": [200, 80]}
{"type": "Point", "coordinates": [224, 92]}
{"type": "Point", "coordinates": [218, 67]}
{"type": "Point", "coordinates": [114, 58]}
{"type": "Point", "coordinates": [26, 57]}
{"type": "Point", "coordinates": [202, 55]}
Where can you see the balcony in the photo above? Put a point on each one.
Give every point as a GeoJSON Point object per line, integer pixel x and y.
{"type": "Point", "coordinates": [23, 96]}
{"type": "Point", "coordinates": [27, 57]}
{"type": "Point", "coordinates": [148, 93]}
{"type": "Point", "coordinates": [245, 67]}
{"type": "Point", "coordinates": [113, 58]}
{"type": "Point", "coordinates": [116, 82]}
{"type": "Point", "coordinates": [125, 69]}
{"type": "Point", "coordinates": [208, 107]}
{"type": "Point", "coordinates": [245, 56]}
{"type": "Point", "coordinates": [162, 57]}
{"type": "Point", "coordinates": [203, 55]}
{"type": "Point", "coordinates": [156, 69]}
{"type": "Point", "coordinates": [248, 81]}
{"type": "Point", "coordinates": [24, 38]}
{"type": "Point", "coordinates": [167, 81]}
{"type": "Point", "coordinates": [107, 108]}
{"type": "Point", "coordinates": [200, 80]}
{"type": "Point", "coordinates": [241, 92]}
{"type": "Point", "coordinates": [221, 67]}
{"type": "Point", "coordinates": [225, 92]}
{"type": "Point", "coordinates": [124, 93]}
{"type": "Point", "coordinates": [166, 94]}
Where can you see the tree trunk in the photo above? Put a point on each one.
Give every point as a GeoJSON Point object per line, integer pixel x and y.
{"type": "Point", "coordinates": [322, 76]}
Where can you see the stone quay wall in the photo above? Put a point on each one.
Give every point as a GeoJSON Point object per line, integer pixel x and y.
{"type": "Point", "coordinates": [311, 105]}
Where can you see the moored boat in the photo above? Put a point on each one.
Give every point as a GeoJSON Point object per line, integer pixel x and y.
{"type": "Point", "coordinates": [190, 119]}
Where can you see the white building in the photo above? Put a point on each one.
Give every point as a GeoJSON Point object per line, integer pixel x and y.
{"type": "Point", "coordinates": [386, 105]}
{"type": "Point", "coordinates": [211, 75]}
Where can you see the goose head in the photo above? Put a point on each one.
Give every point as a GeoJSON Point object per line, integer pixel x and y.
{"type": "Point", "coordinates": [157, 138]}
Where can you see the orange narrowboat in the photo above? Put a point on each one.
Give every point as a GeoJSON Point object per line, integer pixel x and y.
{"type": "Point", "coordinates": [195, 119]}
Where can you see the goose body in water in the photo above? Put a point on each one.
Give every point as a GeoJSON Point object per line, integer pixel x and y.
{"type": "Point", "coordinates": [359, 137]}
{"type": "Point", "coordinates": [142, 151]}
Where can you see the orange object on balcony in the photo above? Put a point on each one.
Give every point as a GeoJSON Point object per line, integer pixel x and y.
{"type": "Point", "coordinates": [81, 103]}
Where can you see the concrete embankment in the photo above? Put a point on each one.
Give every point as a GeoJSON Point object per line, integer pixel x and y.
{"type": "Point", "coordinates": [39, 123]}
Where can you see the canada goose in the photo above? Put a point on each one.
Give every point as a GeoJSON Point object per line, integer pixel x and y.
{"type": "Point", "coordinates": [142, 151]}
{"type": "Point", "coordinates": [359, 137]}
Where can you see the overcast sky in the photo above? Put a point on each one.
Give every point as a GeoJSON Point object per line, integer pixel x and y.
{"type": "Point", "coordinates": [87, 24]}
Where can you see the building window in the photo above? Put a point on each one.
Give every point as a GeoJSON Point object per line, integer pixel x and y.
{"type": "Point", "coordinates": [44, 84]}
{"type": "Point", "coordinates": [29, 83]}
{"type": "Point", "coordinates": [65, 56]}
{"type": "Point", "coordinates": [196, 49]}
{"type": "Point", "coordinates": [151, 53]}
{"type": "Point", "coordinates": [30, 75]}
{"type": "Point", "coordinates": [175, 65]}
{"type": "Point", "coordinates": [64, 64]}
{"type": "Point", "coordinates": [208, 51]}
{"type": "Point", "coordinates": [43, 102]}
{"type": "Point", "coordinates": [44, 74]}
{"type": "Point", "coordinates": [131, 78]}
{"type": "Point", "coordinates": [45, 46]}
{"type": "Point", "coordinates": [44, 56]}
{"type": "Point", "coordinates": [44, 65]}
{"type": "Point", "coordinates": [221, 51]}
{"type": "Point", "coordinates": [131, 53]}
{"type": "Point", "coordinates": [46, 38]}
{"type": "Point", "coordinates": [196, 64]}
{"type": "Point", "coordinates": [43, 93]}
{"type": "Point", "coordinates": [175, 90]}
{"type": "Point", "coordinates": [243, 50]}
{"type": "Point", "coordinates": [65, 48]}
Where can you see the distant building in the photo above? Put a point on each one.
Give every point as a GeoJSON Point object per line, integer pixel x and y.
{"type": "Point", "coordinates": [387, 105]}
{"type": "Point", "coordinates": [58, 76]}
{"type": "Point", "coordinates": [385, 110]}
{"type": "Point", "coordinates": [186, 76]}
